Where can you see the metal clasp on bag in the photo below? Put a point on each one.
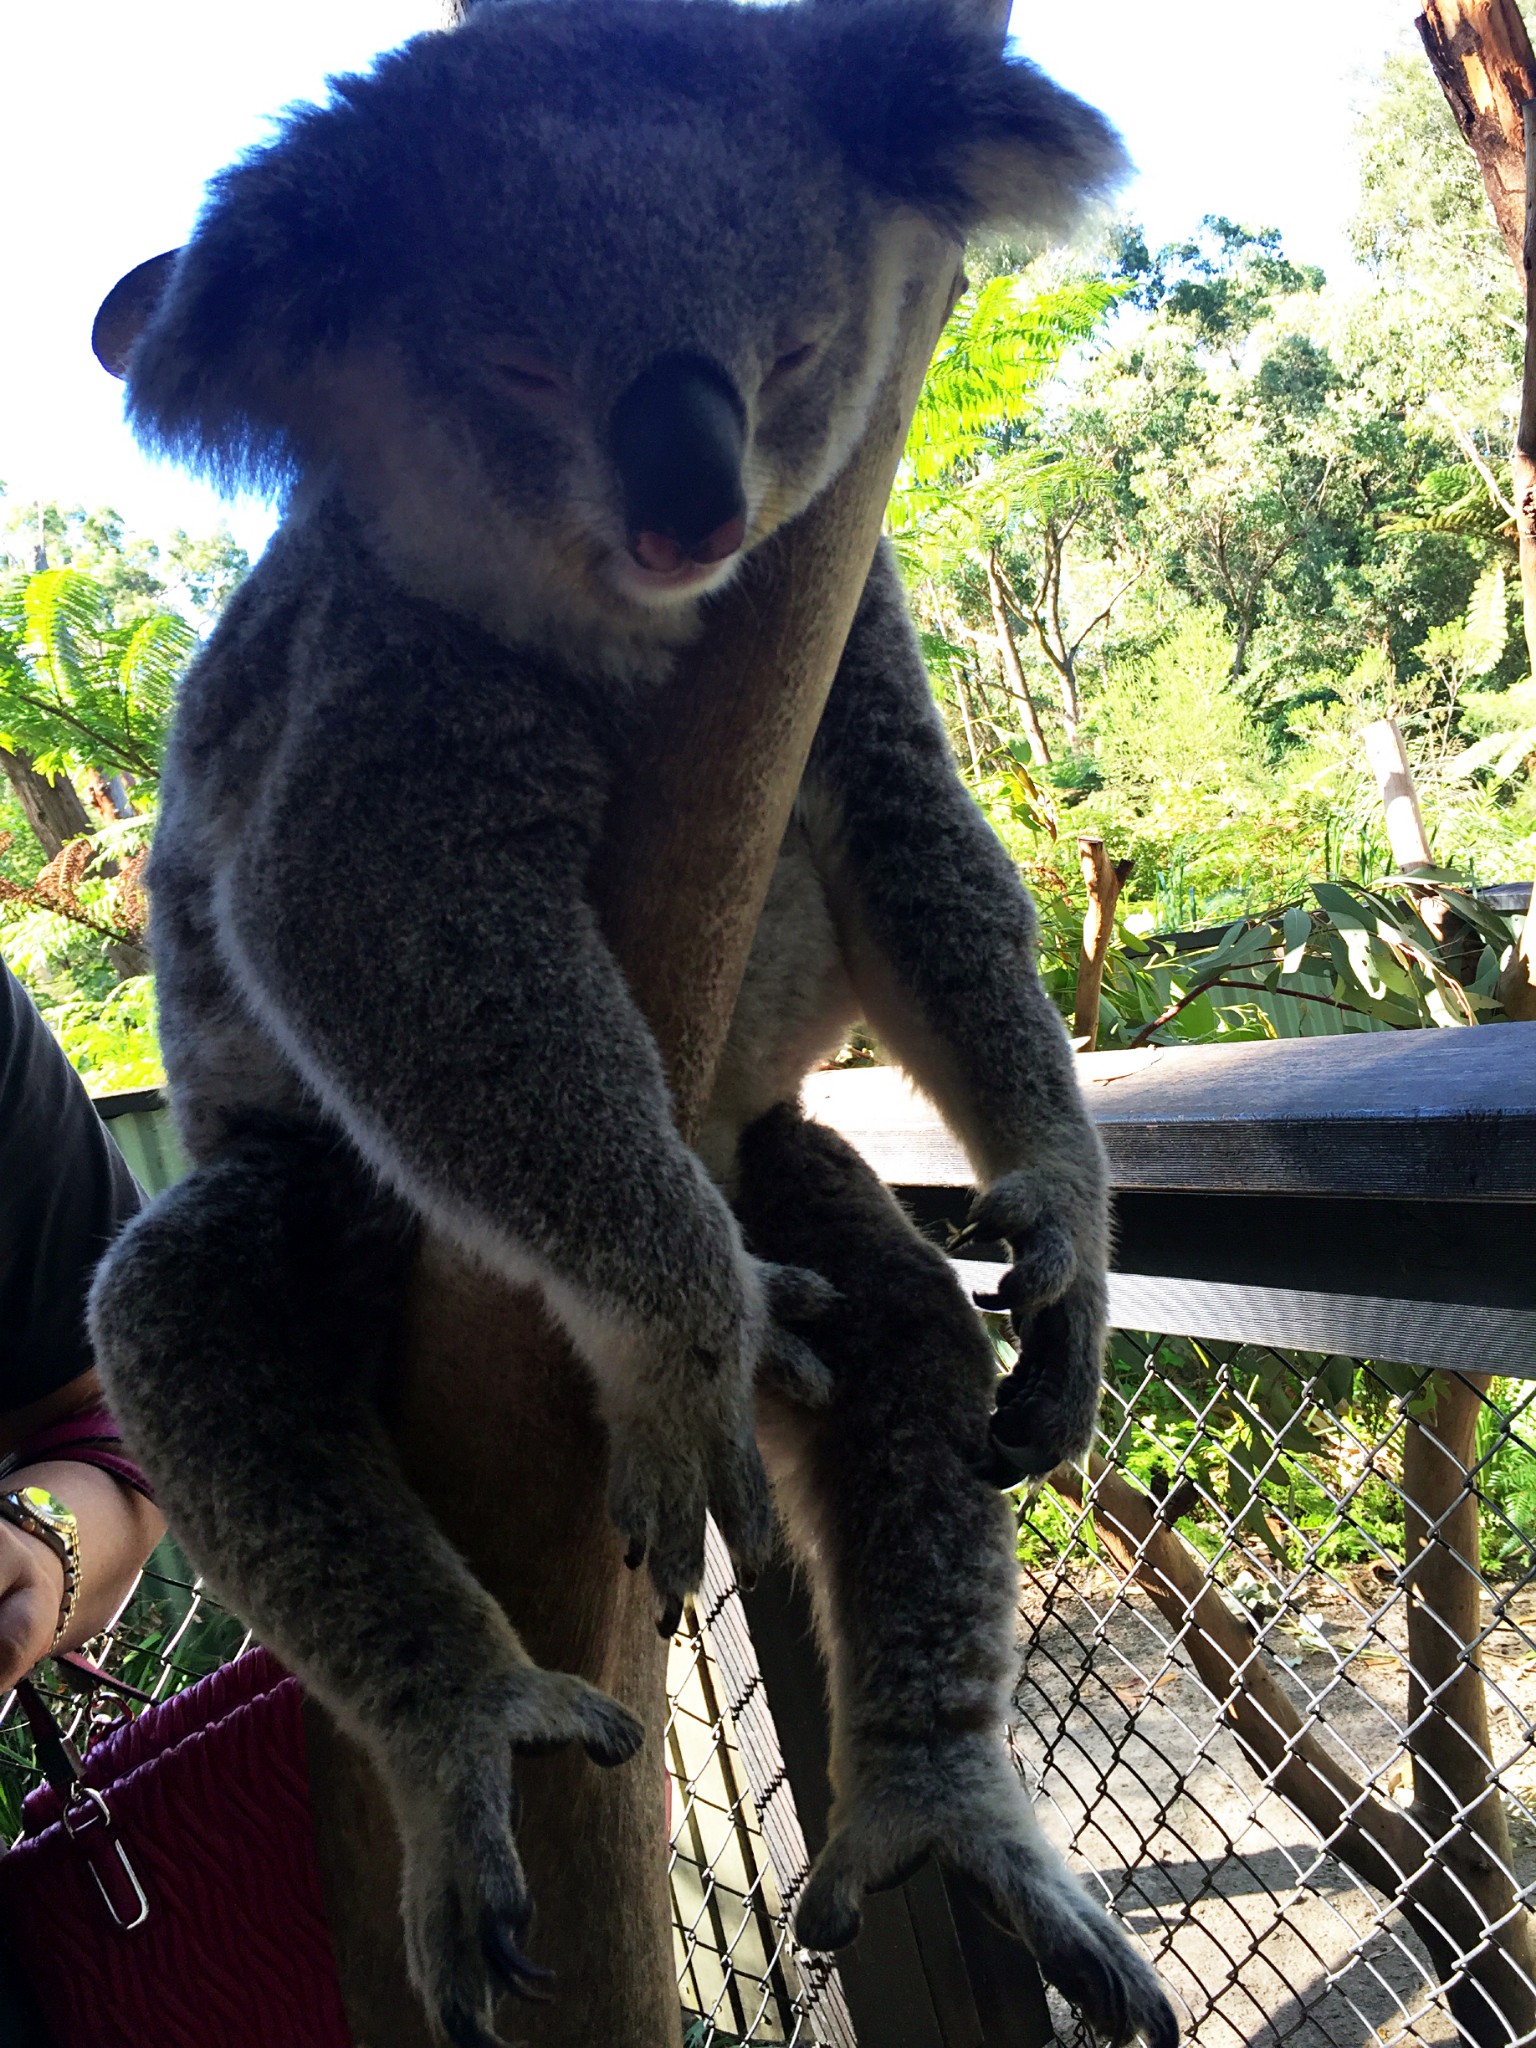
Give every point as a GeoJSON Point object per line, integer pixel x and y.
{"type": "Point", "coordinates": [88, 1820]}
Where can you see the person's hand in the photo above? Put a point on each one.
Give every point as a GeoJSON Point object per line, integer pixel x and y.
{"type": "Point", "coordinates": [118, 1529]}
{"type": "Point", "coordinates": [31, 1592]}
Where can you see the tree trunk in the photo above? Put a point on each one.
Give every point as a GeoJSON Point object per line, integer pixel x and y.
{"type": "Point", "coordinates": [1406, 836]}
{"type": "Point", "coordinates": [1013, 669]}
{"type": "Point", "coordinates": [52, 807]}
{"type": "Point", "coordinates": [493, 1417]}
{"type": "Point", "coordinates": [1105, 879]}
{"type": "Point", "coordinates": [1517, 984]}
{"type": "Point", "coordinates": [1480, 52]}
{"type": "Point", "coordinates": [1455, 1800]}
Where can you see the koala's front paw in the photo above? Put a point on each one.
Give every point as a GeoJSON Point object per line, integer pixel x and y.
{"type": "Point", "coordinates": [1048, 1406]}
{"type": "Point", "coordinates": [798, 1299]}
{"type": "Point", "coordinates": [1054, 1293]}
{"type": "Point", "coordinates": [464, 1898]}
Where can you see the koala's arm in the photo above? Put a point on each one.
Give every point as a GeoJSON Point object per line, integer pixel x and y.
{"type": "Point", "coordinates": [404, 905]}
{"type": "Point", "coordinates": [939, 936]}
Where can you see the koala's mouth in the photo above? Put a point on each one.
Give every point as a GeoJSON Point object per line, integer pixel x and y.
{"type": "Point", "coordinates": [649, 572]}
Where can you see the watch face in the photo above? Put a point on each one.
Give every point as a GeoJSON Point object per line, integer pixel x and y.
{"type": "Point", "coordinates": [43, 1503]}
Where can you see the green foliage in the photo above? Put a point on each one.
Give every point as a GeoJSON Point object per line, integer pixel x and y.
{"type": "Point", "coordinates": [1166, 584]}
{"type": "Point", "coordinates": [1002, 342]}
{"type": "Point", "coordinates": [1275, 1443]}
{"type": "Point", "coordinates": [79, 688]}
{"type": "Point", "coordinates": [111, 1039]}
{"type": "Point", "coordinates": [96, 629]}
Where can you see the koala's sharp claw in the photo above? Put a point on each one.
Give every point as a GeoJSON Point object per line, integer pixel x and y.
{"type": "Point", "coordinates": [513, 1969]}
{"type": "Point", "coordinates": [465, 2031]}
{"type": "Point", "coordinates": [671, 1620]}
{"type": "Point", "coordinates": [634, 1557]}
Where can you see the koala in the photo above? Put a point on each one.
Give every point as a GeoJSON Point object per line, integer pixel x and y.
{"type": "Point", "coordinates": [541, 327]}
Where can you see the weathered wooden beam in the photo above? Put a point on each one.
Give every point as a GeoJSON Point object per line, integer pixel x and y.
{"type": "Point", "coordinates": [1420, 1115]}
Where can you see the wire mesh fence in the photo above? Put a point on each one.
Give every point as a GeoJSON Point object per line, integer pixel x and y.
{"type": "Point", "coordinates": [1278, 1693]}
{"type": "Point", "coordinates": [1280, 1690]}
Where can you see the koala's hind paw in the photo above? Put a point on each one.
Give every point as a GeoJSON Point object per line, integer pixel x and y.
{"type": "Point", "coordinates": [1077, 1945]}
{"type": "Point", "coordinates": [660, 1483]}
{"type": "Point", "coordinates": [465, 1901]}
{"type": "Point", "coordinates": [972, 1813]}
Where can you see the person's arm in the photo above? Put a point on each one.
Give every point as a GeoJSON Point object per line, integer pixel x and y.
{"type": "Point", "coordinates": [64, 1192]}
{"type": "Point", "coordinates": [117, 1525]}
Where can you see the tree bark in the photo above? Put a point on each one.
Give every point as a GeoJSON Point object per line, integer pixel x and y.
{"type": "Point", "coordinates": [1455, 1799]}
{"type": "Point", "coordinates": [1105, 879]}
{"type": "Point", "coordinates": [1406, 835]}
{"type": "Point", "coordinates": [1517, 984]}
{"type": "Point", "coordinates": [1480, 52]}
{"type": "Point", "coordinates": [51, 806]}
{"type": "Point", "coordinates": [493, 1417]}
{"type": "Point", "coordinates": [1013, 669]}
{"type": "Point", "coordinates": [1386, 1847]}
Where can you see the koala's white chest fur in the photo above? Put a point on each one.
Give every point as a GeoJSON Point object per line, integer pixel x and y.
{"type": "Point", "coordinates": [797, 1000]}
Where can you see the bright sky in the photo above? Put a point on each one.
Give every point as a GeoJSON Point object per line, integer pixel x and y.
{"type": "Point", "coordinates": [115, 114]}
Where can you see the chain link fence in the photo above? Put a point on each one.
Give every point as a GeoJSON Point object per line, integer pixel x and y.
{"type": "Point", "coordinates": [1278, 1696]}
{"type": "Point", "coordinates": [1280, 1690]}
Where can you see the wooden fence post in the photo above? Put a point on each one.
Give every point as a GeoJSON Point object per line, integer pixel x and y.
{"type": "Point", "coordinates": [1456, 1800]}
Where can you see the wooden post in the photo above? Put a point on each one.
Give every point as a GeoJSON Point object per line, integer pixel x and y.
{"type": "Point", "coordinates": [1455, 1800]}
{"type": "Point", "coordinates": [493, 1418]}
{"type": "Point", "coordinates": [1105, 879]}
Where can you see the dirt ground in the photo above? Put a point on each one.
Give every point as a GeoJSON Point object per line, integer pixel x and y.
{"type": "Point", "coordinates": [1259, 1938]}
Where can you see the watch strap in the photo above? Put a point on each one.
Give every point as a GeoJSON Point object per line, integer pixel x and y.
{"type": "Point", "coordinates": [36, 1512]}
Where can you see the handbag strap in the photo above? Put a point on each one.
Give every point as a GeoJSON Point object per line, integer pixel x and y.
{"type": "Point", "coordinates": [58, 1756]}
{"type": "Point", "coordinates": [83, 1810]}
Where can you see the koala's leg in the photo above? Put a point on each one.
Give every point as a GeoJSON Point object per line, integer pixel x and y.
{"type": "Point", "coordinates": [910, 1557]}
{"type": "Point", "coordinates": [242, 1325]}
{"type": "Point", "coordinates": [939, 937]}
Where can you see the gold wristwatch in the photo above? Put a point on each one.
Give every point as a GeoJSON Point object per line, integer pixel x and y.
{"type": "Point", "coordinates": [40, 1513]}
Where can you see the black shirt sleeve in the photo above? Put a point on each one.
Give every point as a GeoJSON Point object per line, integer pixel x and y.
{"type": "Point", "coordinates": [65, 1190]}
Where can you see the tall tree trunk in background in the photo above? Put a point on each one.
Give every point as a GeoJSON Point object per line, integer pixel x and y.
{"type": "Point", "coordinates": [1013, 669]}
{"type": "Point", "coordinates": [52, 806]}
{"type": "Point", "coordinates": [1481, 53]}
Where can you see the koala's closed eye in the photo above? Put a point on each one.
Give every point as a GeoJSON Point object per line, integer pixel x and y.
{"type": "Point", "coordinates": [527, 375]}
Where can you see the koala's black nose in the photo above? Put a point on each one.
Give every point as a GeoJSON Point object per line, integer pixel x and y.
{"type": "Point", "coordinates": [677, 437]}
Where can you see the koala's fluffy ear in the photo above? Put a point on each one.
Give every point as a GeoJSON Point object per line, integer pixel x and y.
{"type": "Point", "coordinates": [127, 310]}
{"type": "Point", "coordinates": [926, 104]}
{"type": "Point", "coordinates": [221, 357]}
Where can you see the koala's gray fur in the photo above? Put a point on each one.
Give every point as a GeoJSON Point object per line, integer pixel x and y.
{"type": "Point", "coordinates": [384, 994]}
